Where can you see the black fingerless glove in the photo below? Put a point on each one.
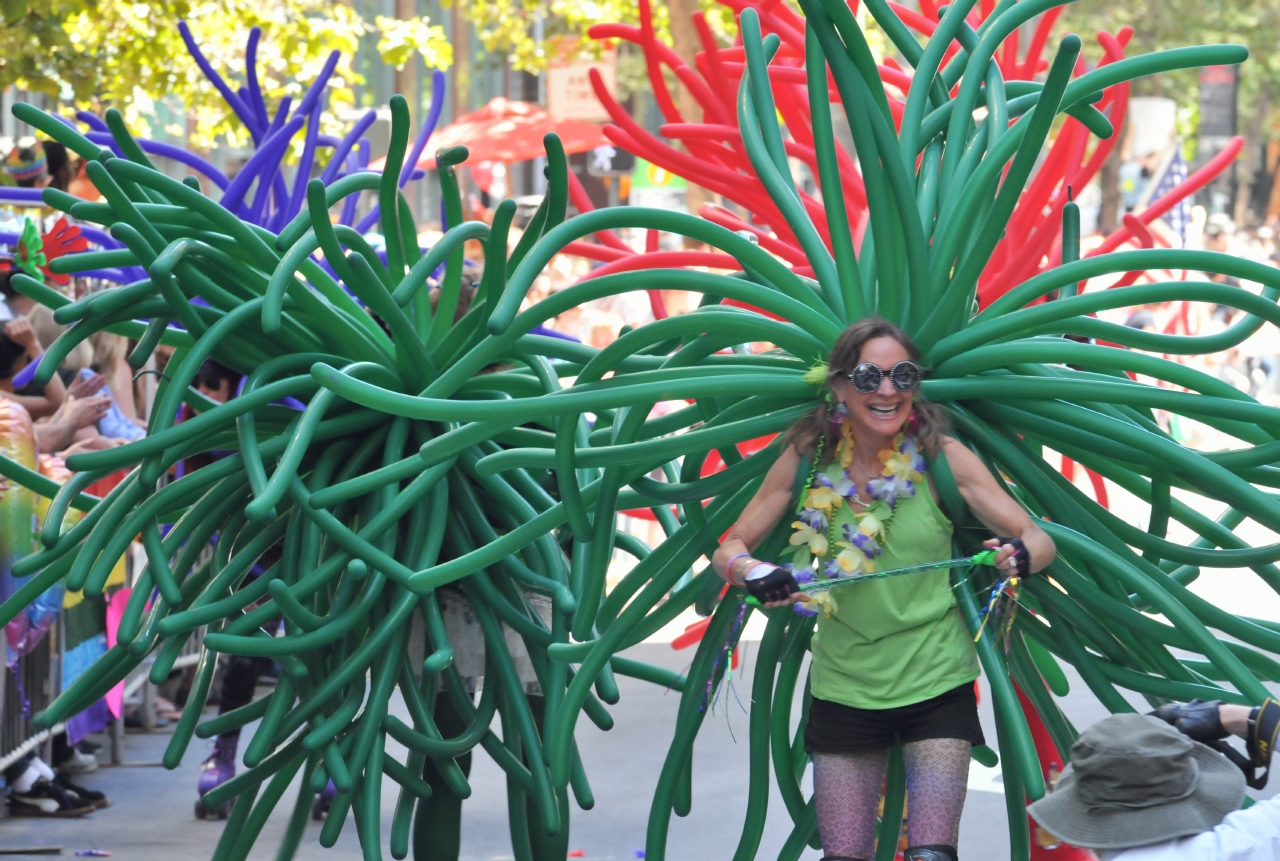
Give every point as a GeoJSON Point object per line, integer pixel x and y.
{"type": "Point", "coordinates": [1198, 720]}
{"type": "Point", "coordinates": [1021, 555]}
{"type": "Point", "coordinates": [1201, 722]}
{"type": "Point", "coordinates": [775, 584]}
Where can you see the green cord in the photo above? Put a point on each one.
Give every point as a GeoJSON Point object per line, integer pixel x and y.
{"type": "Point", "coordinates": [986, 557]}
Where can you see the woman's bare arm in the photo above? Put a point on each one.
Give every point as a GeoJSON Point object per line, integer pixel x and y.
{"type": "Point", "coordinates": [37, 406]}
{"type": "Point", "coordinates": [55, 394]}
{"type": "Point", "coordinates": [120, 381]}
{"type": "Point", "coordinates": [998, 511]}
{"type": "Point", "coordinates": [771, 502]}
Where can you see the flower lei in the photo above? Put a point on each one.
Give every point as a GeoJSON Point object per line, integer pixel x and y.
{"type": "Point", "coordinates": [829, 534]}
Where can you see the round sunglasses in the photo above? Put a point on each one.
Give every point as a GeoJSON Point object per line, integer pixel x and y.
{"type": "Point", "coordinates": [867, 376]}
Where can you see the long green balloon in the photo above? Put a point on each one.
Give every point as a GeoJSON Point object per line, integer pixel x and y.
{"type": "Point", "coordinates": [434, 463]}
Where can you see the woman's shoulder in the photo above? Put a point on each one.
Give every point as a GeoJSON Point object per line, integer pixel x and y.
{"type": "Point", "coordinates": [797, 452]}
{"type": "Point", "coordinates": [785, 467]}
{"type": "Point", "coordinates": [956, 450]}
{"type": "Point", "coordinates": [791, 458]}
{"type": "Point", "coordinates": [961, 460]}
{"type": "Point", "coordinates": [970, 472]}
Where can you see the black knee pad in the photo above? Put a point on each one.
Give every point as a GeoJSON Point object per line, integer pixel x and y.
{"type": "Point", "coordinates": [932, 852]}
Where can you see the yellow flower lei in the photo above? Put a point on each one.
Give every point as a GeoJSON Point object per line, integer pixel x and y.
{"type": "Point", "coordinates": [853, 550]}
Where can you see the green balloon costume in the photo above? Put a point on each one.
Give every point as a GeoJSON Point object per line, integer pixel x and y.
{"type": "Point", "coordinates": [409, 470]}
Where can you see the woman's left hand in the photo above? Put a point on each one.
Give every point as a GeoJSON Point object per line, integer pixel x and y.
{"type": "Point", "coordinates": [1012, 552]}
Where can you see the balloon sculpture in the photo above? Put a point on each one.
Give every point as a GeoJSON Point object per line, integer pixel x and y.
{"type": "Point", "coordinates": [259, 193]}
{"type": "Point", "coordinates": [434, 454]}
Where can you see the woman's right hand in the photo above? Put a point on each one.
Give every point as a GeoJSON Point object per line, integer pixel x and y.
{"type": "Point", "coordinates": [85, 387]}
{"type": "Point", "coordinates": [20, 332]}
{"type": "Point", "coordinates": [82, 412]}
{"type": "Point", "coordinates": [796, 598]}
{"type": "Point", "coordinates": [772, 585]}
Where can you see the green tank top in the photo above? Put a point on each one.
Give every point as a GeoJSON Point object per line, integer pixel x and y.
{"type": "Point", "coordinates": [901, 640]}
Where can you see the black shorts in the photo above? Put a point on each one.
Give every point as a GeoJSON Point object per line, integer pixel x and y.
{"type": "Point", "coordinates": [836, 728]}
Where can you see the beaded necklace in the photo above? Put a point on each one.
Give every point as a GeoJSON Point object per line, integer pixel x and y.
{"type": "Point", "coordinates": [831, 540]}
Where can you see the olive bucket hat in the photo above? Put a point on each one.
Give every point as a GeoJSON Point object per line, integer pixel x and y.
{"type": "Point", "coordinates": [1134, 780]}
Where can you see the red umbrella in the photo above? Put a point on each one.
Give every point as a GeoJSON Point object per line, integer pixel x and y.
{"type": "Point", "coordinates": [507, 131]}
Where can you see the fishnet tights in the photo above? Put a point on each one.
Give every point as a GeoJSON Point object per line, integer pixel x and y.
{"type": "Point", "coordinates": [847, 790]}
{"type": "Point", "coordinates": [937, 779]}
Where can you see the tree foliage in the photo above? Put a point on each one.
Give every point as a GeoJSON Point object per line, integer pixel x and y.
{"type": "Point", "coordinates": [129, 54]}
{"type": "Point", "coordinates": [508, 26]}
{"type": "Point", "coordinates": [400, 40]}
{"type": "Point", "coordinates": [32, 35]}
{"type": "Point", "coordinates": [1162, 24]}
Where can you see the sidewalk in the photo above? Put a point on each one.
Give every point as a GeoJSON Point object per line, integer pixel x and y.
{"type": "Point", "coordinates": [151, 819]}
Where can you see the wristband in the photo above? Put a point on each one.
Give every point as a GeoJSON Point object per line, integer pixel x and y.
{"type": "Point", "coordinates": [1264, 726]}
{"type": "Point", "coordinates": [728, 568]}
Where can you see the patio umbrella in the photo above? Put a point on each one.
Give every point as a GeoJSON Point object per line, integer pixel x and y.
{"type": "Point", "coordinates": [507, 131]}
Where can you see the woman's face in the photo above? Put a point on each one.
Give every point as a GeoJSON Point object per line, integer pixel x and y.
{"type": "Point", "coordinates": [884, 411]}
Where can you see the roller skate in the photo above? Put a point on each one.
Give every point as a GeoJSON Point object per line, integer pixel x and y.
{"type": "Point", "coordinates": [320, 807]}
{"type": "Point", "coordinates": [215, 771]}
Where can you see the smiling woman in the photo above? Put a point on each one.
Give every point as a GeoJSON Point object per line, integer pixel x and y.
{"type": "Point", "coordinates": [897, 665]}
{"type": "Point", "coordinates": [874, 369]}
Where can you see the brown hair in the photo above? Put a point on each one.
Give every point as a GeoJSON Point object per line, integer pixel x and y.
{"type": "Point", "coordinates": [931, 420]}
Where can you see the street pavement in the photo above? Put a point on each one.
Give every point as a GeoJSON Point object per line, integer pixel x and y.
{"type": "Point", "coordinates": [151, 819]}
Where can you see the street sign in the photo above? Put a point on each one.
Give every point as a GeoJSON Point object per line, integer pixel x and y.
{"type": "Point", "coordinates": [609, 161]}
{"type": "Point", "coordinates": [570, 95]}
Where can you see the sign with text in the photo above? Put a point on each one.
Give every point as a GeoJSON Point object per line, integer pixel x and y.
{"type": "Point", "coordinates": [569, 92]}
{"type": "Point", "coordinates": [1218, 115]}
{"type": "Point", "coordinates": [1219, 122]}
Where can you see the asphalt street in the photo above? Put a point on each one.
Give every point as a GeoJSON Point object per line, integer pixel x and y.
{"type": "Point", "coordinates": [151, 818]}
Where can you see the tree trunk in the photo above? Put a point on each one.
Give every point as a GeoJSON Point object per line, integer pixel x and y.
{"type": "Point", "coordinates": [460, 74]}
{"type": "Point", "coordinates": [406, 84]}
{"type": "Point", "coordinates": [1109, 179]}
{"type": "Point", "coordinates": [1253, 161]}
{"type": "Point", "coordinates": [407, 75]}
{"type": "Point", "coordinates": [684, 38]}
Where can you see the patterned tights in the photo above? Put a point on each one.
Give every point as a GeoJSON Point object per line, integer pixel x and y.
{"type": "Point", "coordinates": [847, 791]}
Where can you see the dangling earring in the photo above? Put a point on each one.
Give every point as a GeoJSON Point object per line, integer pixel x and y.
{"type": "Point", "coordinates": [839, 414]}
{"type": "Point", "coordinates": [913, 423]}
{"type": "Point", "coordinates": [833, 416]}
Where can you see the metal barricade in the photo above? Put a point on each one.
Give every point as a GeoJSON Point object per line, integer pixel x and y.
{"type": "Point", "coordinates": [28, 688]}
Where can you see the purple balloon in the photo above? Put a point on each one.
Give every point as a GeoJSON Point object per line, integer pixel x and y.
{"type": "Point", "coordinates": [428, 127]}
{"type": "Point", "coordinates": [232, 99]}
{"type": "Point", "coordinates": [255, 101]}
{"type": "Point", "coordinates": [20, 195]}
{"type": "Point", "coordinates": [170, 151]}
{"type": "Point", "coordinates": [344, 147]}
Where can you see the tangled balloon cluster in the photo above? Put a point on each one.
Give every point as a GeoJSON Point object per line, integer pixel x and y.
{"type": "Point", "coordinates": [430, 453]}
{"type": "Point", "coordinates": [260, 192]}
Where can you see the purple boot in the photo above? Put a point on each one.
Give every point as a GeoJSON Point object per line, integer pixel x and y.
{"type": "Point", "coordinates": [215, 771]}
{"type": "Point", "coordinates": [320, 807]}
